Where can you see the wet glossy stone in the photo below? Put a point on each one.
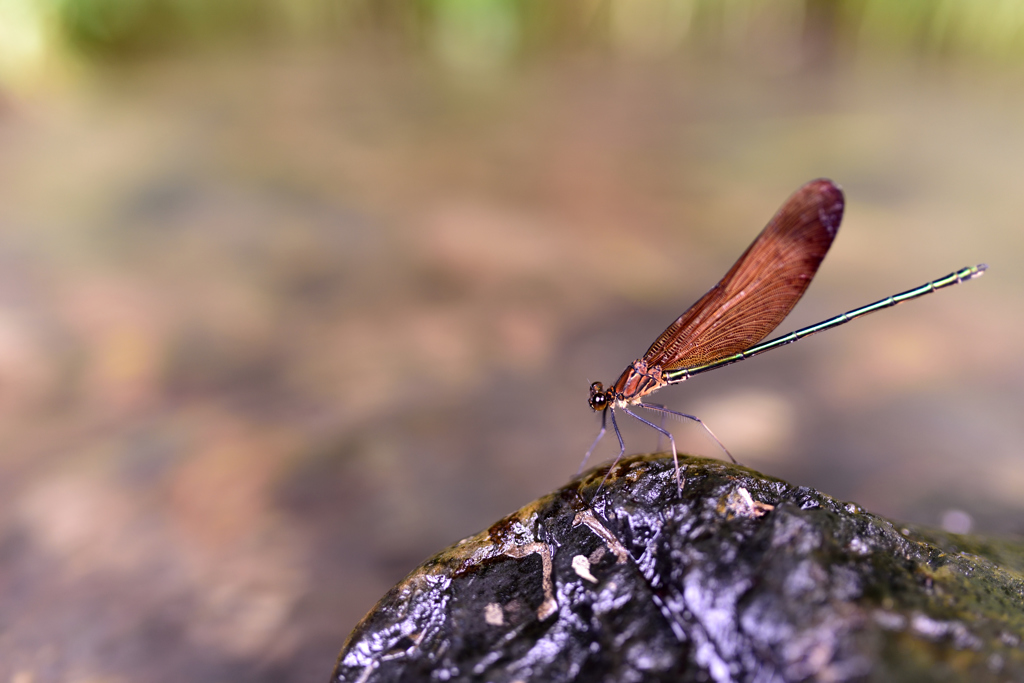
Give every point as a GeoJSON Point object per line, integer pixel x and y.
{"type": "Point", "coordinates": [741, 577]}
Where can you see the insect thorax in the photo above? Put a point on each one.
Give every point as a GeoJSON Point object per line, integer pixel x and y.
{"type": "Point", "coordinates": [636, 381]}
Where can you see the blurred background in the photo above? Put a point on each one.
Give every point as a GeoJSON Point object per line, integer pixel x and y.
{"type": "Point", "coordinates": [294, 293]}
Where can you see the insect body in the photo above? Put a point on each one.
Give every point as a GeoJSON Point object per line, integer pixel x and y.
{"type": "Point", "coordinates": [728, 323]}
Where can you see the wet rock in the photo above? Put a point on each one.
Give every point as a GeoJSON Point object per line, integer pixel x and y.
{"type": "Point", "coordinates": [741, 577]}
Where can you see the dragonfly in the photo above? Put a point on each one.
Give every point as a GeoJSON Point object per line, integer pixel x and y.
{"type": "Point", "coordinates": [728, 324]}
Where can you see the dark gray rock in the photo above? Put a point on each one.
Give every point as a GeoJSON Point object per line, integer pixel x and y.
{"type": "Point", "coordinates": [740, 577]}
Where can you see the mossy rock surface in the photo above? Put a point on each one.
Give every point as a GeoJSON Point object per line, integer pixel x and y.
{"type": "Point", "coordinates": [740, 577]}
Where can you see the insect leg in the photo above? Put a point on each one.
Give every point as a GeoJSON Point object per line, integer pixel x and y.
{"type": "Point", "coordinates": [622, 448]}
{"type": "Point", "coordinates": [662, 409]}
{"type": "Point", "coordinates": [671, 440]}
{"type": "Point", "coordinates": [604, 423]}
{"type": "Point", "coordinates": [661, 423]}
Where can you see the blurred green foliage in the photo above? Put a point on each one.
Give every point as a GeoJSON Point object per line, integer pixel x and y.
{"type": "Point", "coordinates": [463, 31]}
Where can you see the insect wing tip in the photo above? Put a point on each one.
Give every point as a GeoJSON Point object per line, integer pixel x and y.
{"type": "Point", "coordinates": [833, 202]}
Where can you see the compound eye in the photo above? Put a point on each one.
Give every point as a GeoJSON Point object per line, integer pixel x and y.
{"type": "Point", "coordinates": [598, 399]}
{"type": "Point", "coordinates": [596, 388]}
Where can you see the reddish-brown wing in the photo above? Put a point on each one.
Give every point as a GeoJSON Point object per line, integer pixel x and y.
{"type": "Point", "coordinates": [761, 288]}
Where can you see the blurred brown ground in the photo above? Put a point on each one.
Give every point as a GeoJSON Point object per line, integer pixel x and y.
{"type": "Point", "coordinates": [276, 325]}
